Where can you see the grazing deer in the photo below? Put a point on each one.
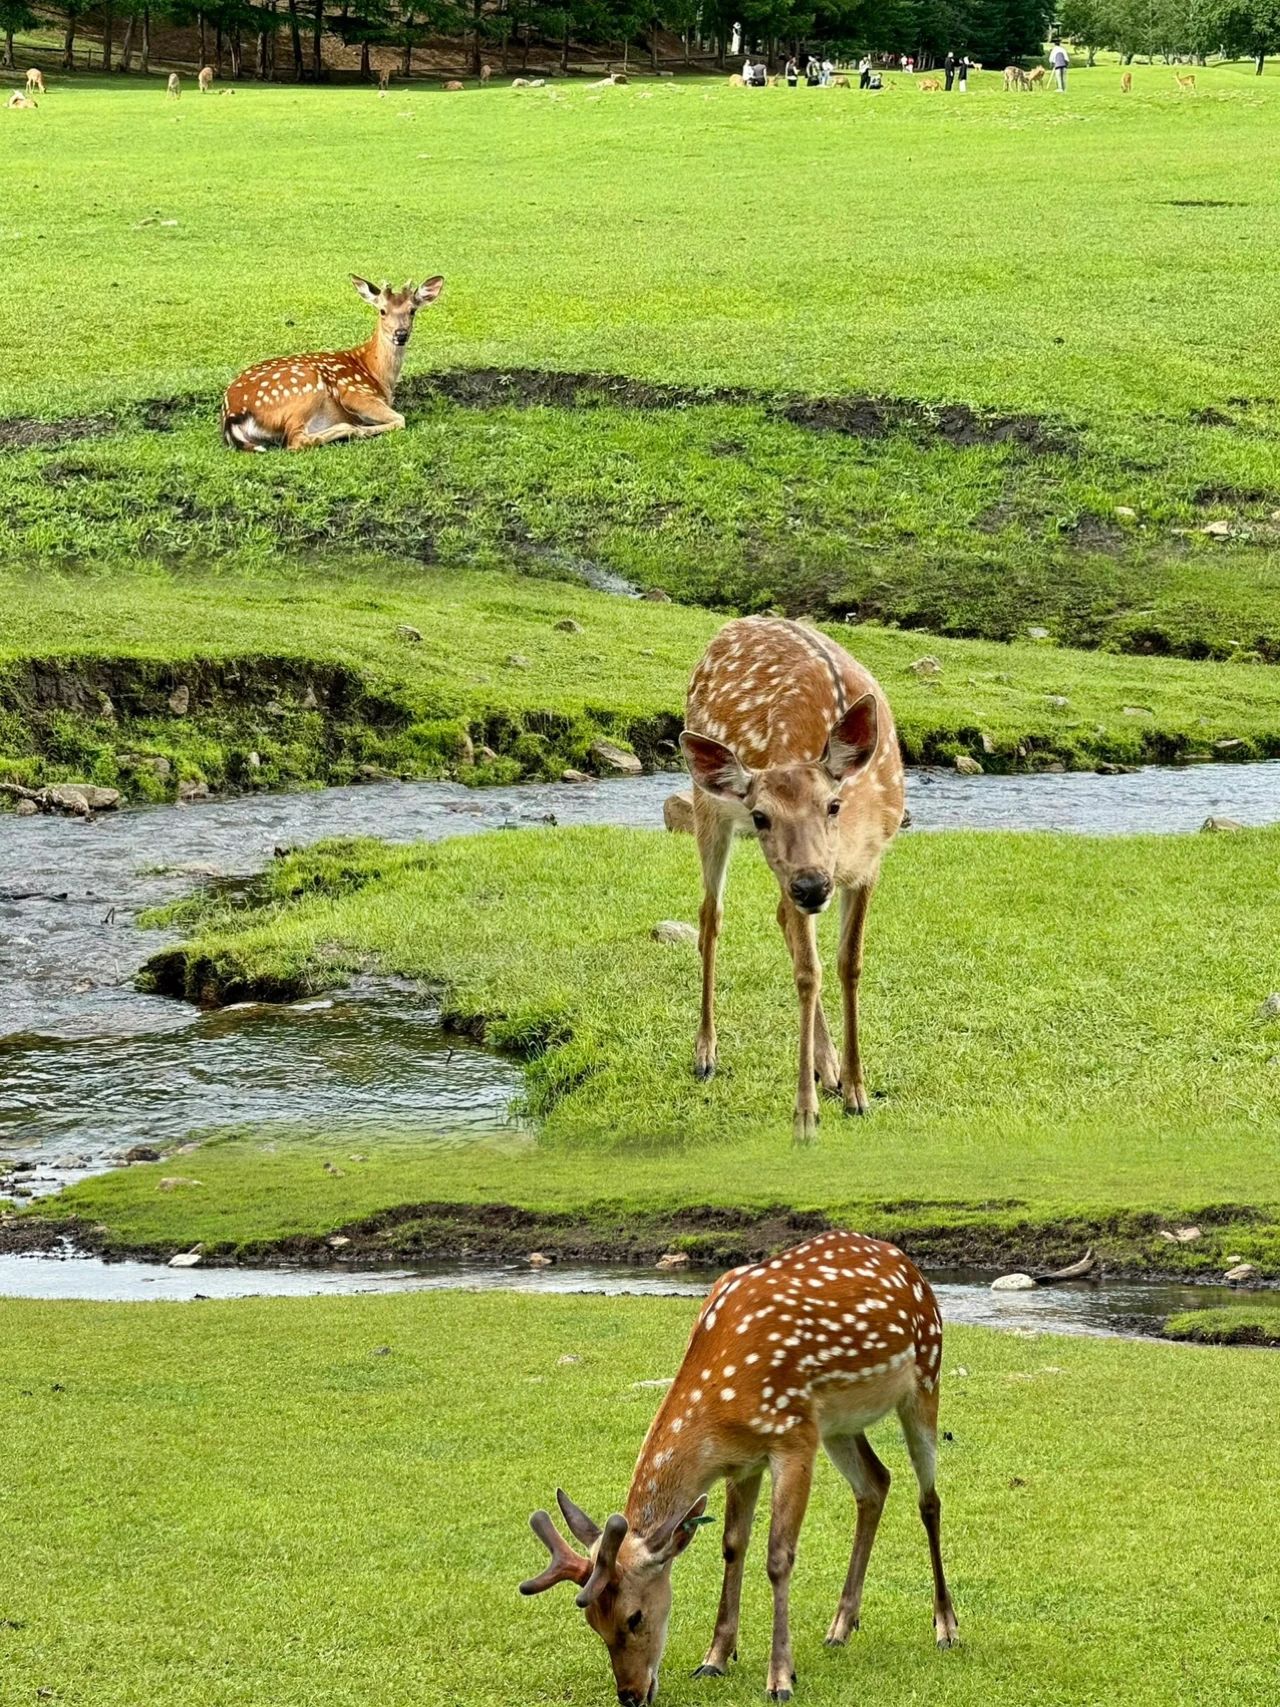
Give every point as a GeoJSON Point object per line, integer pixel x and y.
{"type": "Point", "coordinates": [35, 82]}
{"type": "Point", "coordinates": [453, 87]}
{"type": "Point", "coordinates": [384, 78]}
{"type": "Point", "coordinates": [175, 86]}
{"type": "Point", "coordinates": [300, 401]}
{"type": "Point", "coordinates": [1187, 82]}
{"type": "Point", "coordinates": [805, 1350]}
{"type": "Point", "coordinates": [790, 740]}
{"type": "Point", "coordinates": [205, 78]}
{"type": "Point", "coordinates": [1126, 82]}
{"type": "Point", "coordinates": [1036, 76]}
{"type": "Point", "coordinates": [486, 72]}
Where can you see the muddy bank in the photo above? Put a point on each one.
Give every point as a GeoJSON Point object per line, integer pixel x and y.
{"type": "Point", "coordinates": [712, 1237]}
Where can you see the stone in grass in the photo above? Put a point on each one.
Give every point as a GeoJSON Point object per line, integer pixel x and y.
{"type": "Point", "coordinates": [1058, 701]}
{"type": "Point", "coordinates": [1126, 513]}
{"type": "Point", "coordinates": [180, 700]}
{"type": "Point", "coordinates": [1214, 824]}
{"type": "Point", "coordinates": [187, 1259]}
{"type": "Point", "coordinates": [926, 666]}
{"type": "Point", "coordinates": [26, 809]}
{"type": "Point", "coordinates": [518, 661]}
{"type": "Point", "coordinates": [1269, 1008]}
{"type": "Point", "coordinates": [568, 626]}
{"type": "Point", "coordinates": [674, 1259]}
{"type": "Point", "coordinates": [656, 596]}
{"type": "Point", "coordinates": [574, 776]}
{"type": "Point", "coordinates": [673, 932]}
{"type": "Point", "coordinates": [1219, 530]}
{"type": "Point", "coordinates": [1037, 633]}
{"type": "Point", "coordinates": [966, 765]}
{"type": "Point", "coordinates": [407, 631]}
{"type": "Point", "coordinates": [337, 1242]}
{"type": "Point", "coordinates": [677, 812]}
{"type": "Point", "coordinates": [141, 1153]}
{"type": "Point", "coordinates": [1013, 1283]}
{"type": "Point", "coordinates": [177, 1182]}
{"type": "Point", "coordinates": [618, 759]}
{"type": "Point", "coordinates": [1243, 1274]}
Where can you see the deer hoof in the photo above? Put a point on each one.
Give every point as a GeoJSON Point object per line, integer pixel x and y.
{"type": "Point", "coordinates": [855, 1102]}
{"type": "Point", "coordinates": [709, 1671]}
{"type": "Point", "coordinates": [704, 1070]}
{"type": "Point", "coordinates": [805, 1124]}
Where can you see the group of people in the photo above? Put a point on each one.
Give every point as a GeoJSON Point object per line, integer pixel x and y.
{"type": "Point", "coordinates": [955, 71]}
{"type": "Point", "coordinates": [817, 73]}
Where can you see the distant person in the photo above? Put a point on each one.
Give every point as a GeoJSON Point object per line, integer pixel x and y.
{"type": "Point", "coordinates": [949, 69]}
{"type": "Point", "coordinates": [911, 65]}
{"type": "Point", "coordinates": [864, 72]}
{"type": "Point", "coordinates": [748, 71]}
{"type": "Point", "coordinates": [828, 72]}
{"type": "Point", "coordinates": [792, 73]}
{"type": "Point", "coordinates": [902, 63]}
{"type": "Point", "coordinates": [962, 73]}
{"type": "Point", "coordinates": [762, 74]}
{"type": "Point", "coordinates": [1059, 61]}
{"type": "Point", "coordinates": [812, 73]}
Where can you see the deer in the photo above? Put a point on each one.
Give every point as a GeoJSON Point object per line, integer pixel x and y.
{"type": "Point", "coordinates": [205, 79]}
{"type": "Point", "coordinates": [486, 72]}
{"type": "Point", "coordinates": [174, 87]}
{"type": "Point", "coordinates": [1015, 78]}
{"type": "Point", "coordinates": [1186, 83]}
{"type": "Point", "coordinates": [302, 401]}
{"type": "Point", "coordinates": [19, 101]}
{"type": "Point", "coordinates": [1036, 76]}
{"type": "Point", "coordinates": [1126, 82]}
{"type": "Point", "coordinates": [35, 82]}
{"type": "Point", "coordinates": [929, 86]}
{"type": "Point", "coordinates": [810, 1348]}
{"type": "Point", "coordinates": [384, 78]}
{"type": "Point", "coordinates": [788, 739]}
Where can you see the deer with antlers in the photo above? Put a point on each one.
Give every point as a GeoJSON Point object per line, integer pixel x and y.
{"type": "Point", "coordinates": [301, 401]}
{"type": "Point", "coordinates": [790, 740]}
{"type": "Point", "coordinates": [806, 1349]}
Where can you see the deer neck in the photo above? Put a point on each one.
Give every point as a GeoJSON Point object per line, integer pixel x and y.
{"type": "Point", "coordinates": [674, 1468]}
{"type": "Point", "coordinates": [384, 360]}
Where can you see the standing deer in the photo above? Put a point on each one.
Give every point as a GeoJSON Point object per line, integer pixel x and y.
{"type": "Point", "coordinates": [805, 1350]}
{"type": "Point", "coordinates": [486, 72]}
{"type": "Point", "coordinates": [384, 78]}
{"type": "Point", "coordinates": [790, 740]}
{"type": "Point", "coordinates": [1186, 83]}
{"type": "Point", "coordinates": [35, 82]}
{"type": "Point", "coordinates": [174, 86]}
{"type": "Point", "coordinates": [300, 401]}
{"type": "Point", "coordinates": [1126, 82]}
{"type": "Point", "coordinates": [205, 79]}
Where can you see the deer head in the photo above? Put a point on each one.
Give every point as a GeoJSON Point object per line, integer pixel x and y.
{"type": "Point", "coordinates": [396, 308]}
{"type": "Point", "coordinates": [624, 1586]}
{"type": "Point", "coordinates": [794, 809]}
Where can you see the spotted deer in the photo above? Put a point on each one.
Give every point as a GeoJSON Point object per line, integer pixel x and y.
{"type": "Point", "coordinates": [790, 740]}
{"type": "Point", "coordinates": [35, 82]}
{"type": "Point", "coordinates": [301, 401]}
{"type": "Point", "coordinates": [806, 1349]}
{"type": "Point", "coordinates": [1187, 82]}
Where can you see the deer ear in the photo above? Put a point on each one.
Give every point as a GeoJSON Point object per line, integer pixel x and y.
{"type": "Point", "coordinates": [713, 766]}
{"type": "Point", "coordinates": [852, 742]}
{"type": "Point", "coordinates": [675, 1536]}
{"type": "Point", "coordinates": [428, 290]}
{"type": "Point", "coordinates": [369, 292]}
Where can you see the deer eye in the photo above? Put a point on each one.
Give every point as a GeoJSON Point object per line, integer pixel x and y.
{"type": "Point", "coordinates": [833, 809]}
{"type": "Point", "coordinates": [760, 820]}
{"type": "Point", "coordinates": [635, 1621]}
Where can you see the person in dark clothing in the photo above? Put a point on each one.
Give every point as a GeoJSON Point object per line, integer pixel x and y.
{"type": "Point", "coordinates": [949, 69]}
{"type": "Point", "coordinates": [793, 73]}
{"type": "Point", "coordinates": [813, 73]}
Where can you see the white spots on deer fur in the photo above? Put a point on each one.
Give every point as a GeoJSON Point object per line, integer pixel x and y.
{"type": "Point", "coordinates": [706, 1375]}
{"type": "Point", "coordinates": [728, 1395]}
{"type": "Point", "coordinates": [751, 1357]}
{"type": "Point", "coordinates": [730, 1369]}
{"type": "Point", "coordinates": [695, 1398]}
{"type": "Point", "coordinates": [677, 1423]}
{"type": "Point", "coordinates": [662, 1458]}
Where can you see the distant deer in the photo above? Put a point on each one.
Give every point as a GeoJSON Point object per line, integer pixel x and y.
{"type": "Point", "coordinates": [35, 82]}
{"type": "Point", "coordinates": [19, 100]}
{"type": "Point", "coordinates": [175, 85]}
{"type": "Point", "coordinates": [1015, 78]}
{"type": "Point", "coordinates": [205, 79]}
{"type": "Point", "coordinates": [384, 78]}
{"type": "Point", "coordinates": [1187, 82]}
{"type": "Point", "coordinates": [790, 740]}
{"type": "Point", "coordinates": [486, 72]}
{"type": "Point", "coordinates": [804, 1350]}
{"type": "Point", "coordinates": [929, 86]}
{"type": "Point", "coordinates": [1036, 76]}
{"type": "Point", "coordinates": [300, 401]}
{"type": "Point", "coordinates": [1126, 82]}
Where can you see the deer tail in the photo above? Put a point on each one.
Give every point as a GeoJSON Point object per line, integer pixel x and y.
{"type": "Point", "coordinates": [233, 432]}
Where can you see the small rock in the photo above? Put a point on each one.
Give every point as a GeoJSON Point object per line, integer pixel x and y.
{"type": "Point", "coordinates": [1218, 530]}
{"type": "Point", "coordinates": [1214, 823]}
{"type": "Point", "coordinates": [674, 1259]}
{"type": "Point", "coordinates": [926, 666]}
{"type": "Point", "coordinates": [518, 661]}
{"type": "Point", "coordinates": [337, 1242]}
{"type": "Point", "coordinates": [1106, 768]}
{"type": "Point", "coordinates": [193, 790]}
{"type": "Point", "coordinates": [1058, 701]}
{"type": "Point", "coordinates": [337, 1172]}
{"type": "Point", "coordinates": [1126, 513]}
{"type": "Point", "coordinates": [1231, 744]}
{"type": "Point", "coordinates": [612, 758]}
{"type": "Point", "coordinates": [82, 798]}
{"type": "Point", "coordinates": [1012, 1283]}
{"type": "Point", "coordinates": [574, 776]}
{"type": "Point", "coordinates": [658, 1381]}
{"type": "Point", "coordinates": [967, 766]}
{"type": "Point", "coordinates": [673, 931]}
{"type": "Point", "coordinates": [568, 626]}
{"type": "Point", "coordinates": [656, 596]}
{"type": "Point", "coordinates": [186, 1259]}
{"type": "Point", "coordinates": [255, 761]}
{"type": "Point", "coordinates": [274, 708]}
{"type": "Point", "coordinates": [1270, 1008]}
{"type": "Point", "coordinates": [988, 744]}
{"type": "Point", "coordinates": [960, 1370]}
{"type": "Point", "coordinates": [407, 631]}
{"type": "Point", "coordinates": [1037, 634]}
{"type": "Point", "coordinates": [105, 707]}
{"type": "Point", "coordinates": [141, 1153]}
{"type": "Point", "coordinates": [25, 809]}
{"type": "Point", "coordinates": [1138, 711]}
{"type": "Point", "coordinates": [486, 755]}
{"type": "Point", "coordinates": [180, 700]}
{"type": "Point", "coordinates": [1180, 1235]}
{"type": "Point", "coordinates": [538, 1259]}
{"type": "Point", "coordinates": [176, 1182]}
{"type": "Point", "coordinates": [309, 702]}
{"type": "Point", "coordinates": [677, 812]}
{"type": "Point", "coordinates": [569, 1357]}
{"type": "Point", "coordinates": [1241, 1275]}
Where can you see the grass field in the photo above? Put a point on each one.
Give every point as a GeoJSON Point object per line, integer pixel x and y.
{"type": "Point", "coordinates": [1104, 320]}
{"type": "Point", "coordinates": [326, 1499]}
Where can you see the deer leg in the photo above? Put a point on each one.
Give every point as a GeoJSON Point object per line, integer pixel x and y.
{"type": "Point", "coordinates": [800, 930]}
{"type": "Point", "coordinates": [869, 1479]}
{"type": "Point", "coordinates": [792, 1476]}
{"type": "Point", "coordinates": [739, 1514]}
{"type": "Point", "coordinates": [715, 839]}
{"type": "Point", "coordinates": [918, 1414]}
{"type": "Point", "coordinates": [825, 1060]}
{"type": "Point", "coordinates": [372, 415]}
{"type": "Point", "coordinates": [853, 910]}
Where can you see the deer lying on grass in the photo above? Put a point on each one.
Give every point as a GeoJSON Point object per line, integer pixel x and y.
{"type": "Point", "coordinates": [35, 82]}
{"type": "Point", "coordinates": [805, 1350]}
{"type": "Point", "coordinates": [19, 100]}
{"type": "Point", "coordinates": [790, 740]}
{"type": "Point", "coordinates": [301, 401]}
{"type": "Point", "coordinates": [205, 79]}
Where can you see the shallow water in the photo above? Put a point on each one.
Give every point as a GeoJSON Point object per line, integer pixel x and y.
{"type": "Point", "coordinates": [1112, 1308]}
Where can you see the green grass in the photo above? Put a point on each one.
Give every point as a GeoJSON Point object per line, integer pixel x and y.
{"type": "Point", "coordinates": [1059, 1033]}
{"type": "Point", "coordinates": [250, 649]}
{"type": "Point", "coordinates": [1118, 320]}
{"type": "Point", "coordinates": [292, 1501]}
{"type": "Point", "coordinates": [1255, 1323]}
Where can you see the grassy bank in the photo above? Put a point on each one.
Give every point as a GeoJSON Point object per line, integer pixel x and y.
{"type": "Point", "coordinates": [311, 670]}
{"type": "Point", "coordinates": [293, 1512]}
{"type": "Point", "coordinates": [876, 421]}
{"type": "Point", "coordinates": [1256, 1324]}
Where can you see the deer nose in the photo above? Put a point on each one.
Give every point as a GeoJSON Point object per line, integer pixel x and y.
{"type": "Point", "coordinates": [630, 1698]}
{"type": "Point", "coordinates": [810, 890]}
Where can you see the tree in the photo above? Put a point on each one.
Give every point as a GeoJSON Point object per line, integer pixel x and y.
{"type": "Point", "coordinates": [1250, 28]}
{"type": "Point", "coordinates": [14, 15]}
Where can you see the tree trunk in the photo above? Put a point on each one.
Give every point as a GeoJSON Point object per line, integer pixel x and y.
{"type": "Point", "coordinates": [1258, 63]}
{"type": "Point", "coordinates": [295, 37]}
{"type": "Point", "coordinates": [8, 50]}
{"type": "Point", "coordinates": [217, 48]}
{"type": "Point", "coordinates": [407, 64]}
{"type": "Point", "coordinates": [564, 49]}
{"type": "Point", "coordinates": [204, 40]}
{"type": "Point", "coordinates": [144, 58]}
{"type": "Point", "coordinates": [126, 51]}
{"type": "Point", "coordinates": [524, 50]}
{"type": "Point", "coordinates": [365, 70]}
{"type": "Point", "coordinates": [69, 44]}
{"type": "Point", "coordinates": [317, 42]}
{"type": "Point", "coordinates": [108, 24]}
{"type": "Point", "coordinates": [653, 45]}
{"type": "Point", "coordinates": [477, 11]}
{"type": "Point", "coordinates": [687, 53]}
{"type": "Point", "coordinates": [237, 52]}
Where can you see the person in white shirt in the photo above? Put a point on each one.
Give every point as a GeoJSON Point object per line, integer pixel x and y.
{"type": "Point", "coordinates": [748, 71]}
{"type": "Point", "coordinates": [1059, 60]}
{"type": "Point", "coordinates": [827, 69]}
